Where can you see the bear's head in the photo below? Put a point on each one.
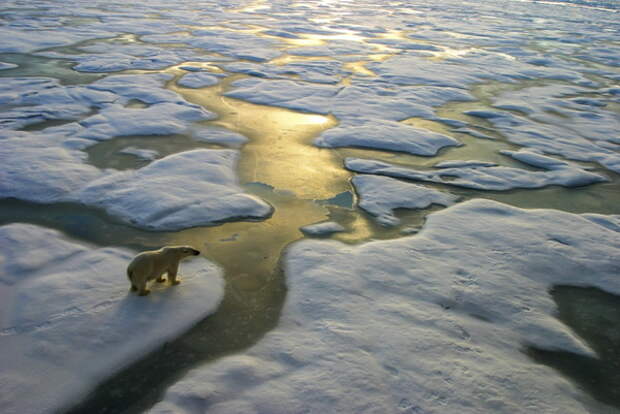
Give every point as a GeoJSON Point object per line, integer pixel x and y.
{"type": "Point", "coordinates": [183, 251]}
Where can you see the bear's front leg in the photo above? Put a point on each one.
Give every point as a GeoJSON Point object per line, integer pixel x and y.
{"type": "Point", "coordinates": [142, 290]}
{"type": "Point", "coordinates": [172, 275]}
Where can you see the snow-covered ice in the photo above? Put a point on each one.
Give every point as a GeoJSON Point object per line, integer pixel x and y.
{"type": "Point", "coordinates": [387, 135]}
{"type": "Point", "coordinates": [50, 165]}
{"type": "Point", "coordinates": [287, 93]}
{"type": "Point", "coordinates": [220, 136]}
{"type": "Point", "coordinates": [483, 176]}
{"type": "Point", "coordinates": [179, 191]}
{"type": "Point", "coordinates": [4, 65]}
{"type": "Point", "coordinates": [198, 80]}
{"type": "Point", "coordinates": [322, 229]}
{"type": "Point", "coordinates": [143, 154]}
{"type": "Point", "coordinates": [194, 188]}
{"type": "Point", "coordinates": [380, 196]}
{"type": "Point", "coordinates": [68, 318]}
{"type": "Point", "coordinates": [432, 323]}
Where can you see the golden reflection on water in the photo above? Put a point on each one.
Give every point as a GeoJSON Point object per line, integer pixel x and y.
{"type": "Point", "coordinates": [250, 251]}
{"type": "Point", "coordinates": [280, 152]}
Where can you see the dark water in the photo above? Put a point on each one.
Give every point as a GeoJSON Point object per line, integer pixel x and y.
{"type": "Point", "coordinates": [594, 315]}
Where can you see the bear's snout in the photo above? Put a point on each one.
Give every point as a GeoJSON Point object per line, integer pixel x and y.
{"type": "Point", "coordinates": [196, 252]}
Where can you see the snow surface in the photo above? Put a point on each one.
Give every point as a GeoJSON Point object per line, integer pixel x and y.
{"type": "Point", "coordinates": [387, 135]}
{"type": "Point", "coordinates": [68, 319]}
{"type": "Point", "coordinates": [481, 176]}
{"type": "Point", "coordinates": [380, 196]}
{"type": "Point", "coordinates": [47, 166]}
{"type": "Point", "coordinates": [322, 229]}
{"type": "Point", "coordinates": [432, 323]}
{"type": "Point", "coordinates": [221, 136]}
{"type": "Point", "coordinates": [198, 80]}
{"type": "Point", "coordinates": [192, 188]}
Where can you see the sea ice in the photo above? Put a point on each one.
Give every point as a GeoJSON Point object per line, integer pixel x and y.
{"type": "Point", "coordinates": [143, 154]}
{"type": "Point", "coordinates": [387, 135]}
{"type": "Point", "coordinates": [194, 188]}
{"type": "Point", "coordinates": [146, 88]}
{"type": "Point", "coordinates": [4, 65]}
{"type": "Point", "coordinates": [473, 174]}
{"type": "Point", "coordinates": [322, 229]}
{"type": "Point", "coordinates": [287, 93]}
{"type": "Point", "coordinates": [24, 41]}
{"type": "Point", "coordinates": [362, 102]}
{"type": "Point", "coordinates": [318, 71]}
{"type": "Point", "coordinates": [380, 196]}
{"type": "Point", "coordinates": [226, 42]}
{"type": "Point", "coordinates": [37, 167]}
{"type": "Point", "coordinates": [69, 320]}
{"type": "Point", "coordinates": [198, 80]}
{"type": "Point", "coordinates": [434, 322]}
{"type": "Point", "coordinates": [165, 118]}
{"type": "Point", "coordinates": [219, 136]}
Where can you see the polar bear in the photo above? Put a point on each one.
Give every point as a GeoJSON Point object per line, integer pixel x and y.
{"type": "Point", "coordinates": [153, 264]}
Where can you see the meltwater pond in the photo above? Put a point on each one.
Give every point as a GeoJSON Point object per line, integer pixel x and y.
{"type": "Point", "coordinates": [333, 118]}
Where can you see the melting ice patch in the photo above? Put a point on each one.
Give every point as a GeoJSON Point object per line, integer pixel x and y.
{"type": "Point", "coordinates": [322, 229]}
{"type": "Point", "coordinates": [50, 166]}
{"type": "Point", "coordinates": [484, 176]}
{"type": "Point", "coordinates": [193, 188]}
{"type": "Point", "coordinates": [387, 135]}
{"type": "Point", "coordinates": [226, 42]}
{"type": "Point", "coordinates": [380, 196]}
{"type": "Point", "coordinates": [430, 323]}
{"type": "Point", "coordinates": [5, 66]}
{"type": "Point", "coordinates": [198, 80]}
{"type": "Point", "coordinates": [69, 320]}
{"type": "Point", "coordinates": [287, 93]}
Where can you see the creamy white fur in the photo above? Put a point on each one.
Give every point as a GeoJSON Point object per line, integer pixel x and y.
{"type": "Point", "coordinates": [151, 265]}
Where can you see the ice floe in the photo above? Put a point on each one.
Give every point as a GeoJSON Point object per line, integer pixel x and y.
{"type": "Point", "coordinates": [24, 41]}
{"type": "Point", "coordinates": [318, 71]}
{"type": "Point", "coordinates": [380, 196]}
{"type": "Point", "coordinates": [287, 93]}
{"type": "Point", "coordinates": [164, 118]}
{"type": "Point", "coordinates": [179, 191]}
{"type": "Point", "coordinates": [69, 320]}
{"type": "Point", "coordinates": [483, 176]}
{"type": "Point", "coordinates": [322, 229]}
{"type": "Point", "coordinates": [220, 136]}
{"type": "Point", "coordinates": [4, 65]}
{"type": "Point", "coordinates": [386, 135]}
{"type": "Point", "coordinates": [39, 168]}
{"type": "Point", "coordinates": [226, 42]}
{"type": "Point", "coordinates": [193, 188]}
{"type": "Point", "coordinates": [198, 80]}
{"type": "Point", "coordinates": [435, 322]}
{"type": "Point", "coordinates": [50, 166]}
{"type": "Point", "coordinates": [143, 154]}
